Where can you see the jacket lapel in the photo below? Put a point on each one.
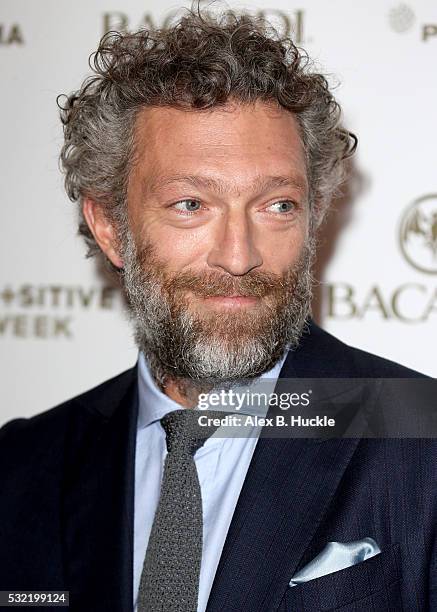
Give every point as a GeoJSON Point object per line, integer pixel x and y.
{"type": "Point", "coordinates": [98, 498]}
{"type": "Point", "coordinates": [287, 492]}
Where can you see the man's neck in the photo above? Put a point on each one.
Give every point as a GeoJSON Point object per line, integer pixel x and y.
{"type": "Point", "coordinates": [183, 391]}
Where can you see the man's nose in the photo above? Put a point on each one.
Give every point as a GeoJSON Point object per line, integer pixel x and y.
{"type": "Point", "coordinates": [234, 249]}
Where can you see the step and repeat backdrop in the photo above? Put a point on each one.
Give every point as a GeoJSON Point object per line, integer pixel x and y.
{"type": "Point", "coordinates": [63, 328]}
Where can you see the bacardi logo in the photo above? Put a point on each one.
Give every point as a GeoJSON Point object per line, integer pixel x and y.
{"type": "Point", "coordinates": [288, 23]}
{"type": "Point", "coordinates": [402, 18]}
{"type": "Point", "coordinates": [418, 234]}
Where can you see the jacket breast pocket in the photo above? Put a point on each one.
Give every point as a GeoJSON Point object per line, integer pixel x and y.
{"type": "Point", "coordinates": [373, 584]}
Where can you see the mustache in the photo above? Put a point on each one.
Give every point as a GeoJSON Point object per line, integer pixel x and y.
{"type": "Point", "coordinates": [212, 284]}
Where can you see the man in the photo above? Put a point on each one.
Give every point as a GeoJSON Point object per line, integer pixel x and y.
{"type": "Point", "coordinates": [203, 158]}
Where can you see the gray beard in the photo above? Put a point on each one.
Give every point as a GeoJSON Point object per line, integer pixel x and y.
{"type": "Point", "coordinates": [223, 348]}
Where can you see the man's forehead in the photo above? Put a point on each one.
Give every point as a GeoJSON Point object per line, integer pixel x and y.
{"type": "Point", "coordinates": [222, 125]}
{"type": "Point", "coordinates": [221, 149]}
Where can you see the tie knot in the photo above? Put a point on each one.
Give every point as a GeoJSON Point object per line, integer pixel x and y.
{"type": "Point", "coordinates": [183, 432]}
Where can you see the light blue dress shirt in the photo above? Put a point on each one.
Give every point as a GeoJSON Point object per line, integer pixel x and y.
{"type": "Point", "coordinates": [221, 463]}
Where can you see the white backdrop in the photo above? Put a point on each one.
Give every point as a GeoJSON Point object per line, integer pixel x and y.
{"type": "Point", "coordinates": [62, 327]}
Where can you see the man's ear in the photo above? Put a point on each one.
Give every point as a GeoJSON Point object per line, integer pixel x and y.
{"type": "Point", "coordinates": [102, 230]}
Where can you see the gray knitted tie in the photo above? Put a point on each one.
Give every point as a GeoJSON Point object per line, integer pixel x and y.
{"type": "Point", "coordinates": [170, 577]}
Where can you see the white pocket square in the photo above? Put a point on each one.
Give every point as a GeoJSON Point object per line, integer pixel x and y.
{"type": "Point", "coordinates": [334, 557]}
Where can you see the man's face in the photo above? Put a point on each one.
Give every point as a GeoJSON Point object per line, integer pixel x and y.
{"type": "Point", "coordinates": [218, 251]}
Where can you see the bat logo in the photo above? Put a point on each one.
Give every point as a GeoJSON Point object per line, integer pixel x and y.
{"type": "Point", "coordinates": [401, 18]}
{"type": "Point", "coordinates": [418, 234]}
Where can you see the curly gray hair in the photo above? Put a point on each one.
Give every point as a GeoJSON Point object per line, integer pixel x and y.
{"type": "Point", "coordinates": [200, 62]}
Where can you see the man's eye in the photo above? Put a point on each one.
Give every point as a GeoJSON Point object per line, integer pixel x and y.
{"type": "Point", "coordinates": [187, 206]}
{"type": "Point", "coordinates": [283, 206]}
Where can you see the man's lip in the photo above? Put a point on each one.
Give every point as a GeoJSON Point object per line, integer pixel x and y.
{"type": "Point", "coordinates": [231, 300]}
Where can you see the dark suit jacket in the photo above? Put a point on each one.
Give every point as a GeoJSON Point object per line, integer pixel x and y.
{"type": "Point", "coordinates": [67, 487]}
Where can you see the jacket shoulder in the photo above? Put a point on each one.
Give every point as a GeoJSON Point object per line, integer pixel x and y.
{"type": "Point", "coordinates": [324, 355]}
{"type": "Point", "coordinates": [45, 432]}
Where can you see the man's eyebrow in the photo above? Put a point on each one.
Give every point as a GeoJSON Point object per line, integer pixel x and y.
{"type": "Point", "coordinates": [260, 184]}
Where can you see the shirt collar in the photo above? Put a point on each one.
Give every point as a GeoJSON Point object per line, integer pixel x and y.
{"type": "Point", "coordinates": [154, 404]}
